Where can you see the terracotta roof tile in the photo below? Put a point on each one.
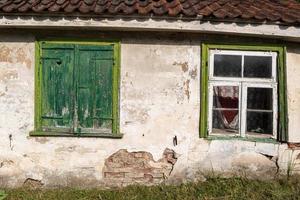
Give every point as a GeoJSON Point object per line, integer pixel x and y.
{"type": "Point", "coordinates": [206, 11]}
{"type": "Point", "coordinates": [287, 11]}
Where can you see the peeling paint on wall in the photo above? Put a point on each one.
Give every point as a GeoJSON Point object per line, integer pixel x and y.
{"type": "Point", "coordinates": [193, 73]}
{"type": "Point", "coordinates": [159, 98]}
{"type": "Point", "coordinates": [5, 54]}
{"type": "Point", "coordinates": [184, 65]}
{"type": "Point", "coordinates": [22, 57]}
{"type": "Point", "coordinates": [186, 86]}
{"type": "Point", "coordinates": [9, 74]}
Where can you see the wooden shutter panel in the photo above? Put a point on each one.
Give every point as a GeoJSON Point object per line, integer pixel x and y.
{"type": "Point", "coordinates": [57, 87]}
{"type": "Point", "coordinates": [94, 89]}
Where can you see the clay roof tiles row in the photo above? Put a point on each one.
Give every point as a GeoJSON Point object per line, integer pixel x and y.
{"type": "Point", "coordinates": [287, 11]}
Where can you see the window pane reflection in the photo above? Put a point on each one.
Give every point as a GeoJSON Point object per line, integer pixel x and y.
{"type": "Point", "coordinates": [257, 67]}
{"type": "Point", "coordinates": [227, 65]}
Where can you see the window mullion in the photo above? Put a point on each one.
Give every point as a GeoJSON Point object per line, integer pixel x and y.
{"type": "Point", "coordinates": [210, 106]}
{"type": "Point", "coordinates": [242, 70]}
{"type": "Point", "coordinates": [274, 67]}
{"type": "Point", "coordinates": [243, 109]}
{"type": "Point", "coordinates": [275, 111]}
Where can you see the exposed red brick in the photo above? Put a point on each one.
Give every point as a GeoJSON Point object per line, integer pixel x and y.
{"type": "Point", "coordinates": [125, 167]}
{"type": "Point", "coordinates": [294, 145]}
{"type": "Point", "coordinates": [114, 174]}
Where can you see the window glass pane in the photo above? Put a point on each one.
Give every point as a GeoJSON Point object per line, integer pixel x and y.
{"type": "Point", "coordinates": [259, 111]}
{"type": "Point", "coordinates": [259, 123]}
{"type": "Point", "coordinates": [260, 98]}
{"type": "Point", "coordinates": [226, 97]}
{"type": "Point", "coordinates": [258, 66]}
{"type": "Point", "coordinates": [227, 65]}
{"type": "Point", "coordinates": [225, 109]}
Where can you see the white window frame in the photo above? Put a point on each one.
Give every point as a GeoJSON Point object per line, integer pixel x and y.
{"type": "Point", "coordinates": [210, 103]}
{"type": "Point", "coordinates": [242, 53]}
{"type": "Point", "coordinates": [243, 84]}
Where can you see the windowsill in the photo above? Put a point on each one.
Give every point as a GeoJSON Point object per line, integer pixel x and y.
{"type": "Point", "coordinates": [250, 139]}
{"type": "Point", "coordinates": [61, 134]}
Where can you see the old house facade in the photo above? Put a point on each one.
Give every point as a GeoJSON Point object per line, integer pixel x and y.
{"type": "Point", "coordinates": [118, 92]}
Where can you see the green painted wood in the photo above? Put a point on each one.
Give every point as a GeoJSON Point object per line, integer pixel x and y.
{"type": "Point", "coordinates": [62, 134]}
{"type": "Point", "coordinates": [64, 46]}
{"type": "Point", "coordinates": [282, 97]}
{"type": "Point", "coordinates": [37, 88]}
{"type": "Point", "coordinates": [204, 92]}
{"type": "Point", "coordinates": [57, 88]}
{"type": "Point", "coordinates": [94, 88]}
{"type": "Point", "coordinates": [281, 69]}
{"type": "Point", "coordinates": [116, 88]}
{"type": "Point", "coordinates": [101, 61]}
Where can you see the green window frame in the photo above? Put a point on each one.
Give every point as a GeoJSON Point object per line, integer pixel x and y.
{"type": "Point", "coordinates": [282, 122]}
{"type": "Point", "coordinates": [85, 63]}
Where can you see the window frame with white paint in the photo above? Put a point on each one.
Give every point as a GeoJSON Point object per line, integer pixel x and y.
{"type": "Point", "coordinates": [243, 83]}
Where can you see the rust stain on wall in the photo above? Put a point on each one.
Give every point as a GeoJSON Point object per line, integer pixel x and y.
{"type": "Point", "coordinates": [41, 140]}
{"type": "Point", "coordinates": [193, 73]}
{"type": "Point", "coordinates": [8, 75]}
{"type": "Point", "coordinates": [22, 58]}
{"type": "Point", "coordinates": [184, 65]}
{"type": "Point", "coordinates": [5, 54]}
{"type": "Point", "coordinates": [123, 167]}
{"type": "Point", "coordinates": [186, 85]}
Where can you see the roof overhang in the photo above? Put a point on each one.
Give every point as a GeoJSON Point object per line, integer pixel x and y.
{"type": "Point", "coordinates": [121, 23]}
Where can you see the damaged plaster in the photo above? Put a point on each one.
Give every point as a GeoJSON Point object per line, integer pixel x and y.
{"type": "Point", "coordinates": [159, 99]}
{"type": "Point", "coordinates": [123, 167]}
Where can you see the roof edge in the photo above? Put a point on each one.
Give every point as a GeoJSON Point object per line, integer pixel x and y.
{"type": "Point", "coordinates": [147, 17]}
{"type": "Point", "coordinates": [152, 24]}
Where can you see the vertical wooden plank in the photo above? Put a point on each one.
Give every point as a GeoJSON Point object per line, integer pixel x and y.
{"type": "Point", "coordinates": [116, 87]}
{"type": "Point", "coordinates": [103, 90]}
{"type": "Point", "coordinates": [282, 96]}
{"type": "Point", "coordinates": [85, 88]}
{"type": "Point", "coordinates": [37, 86]}
{"type": "Point", "coordinates": [57, 88]}
{"type": "Point", "coordinates": [94, 94]}
{"type": "Point", "coordinates": [204, 91]}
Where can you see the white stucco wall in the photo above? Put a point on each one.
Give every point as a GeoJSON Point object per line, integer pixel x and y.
{"type": "Point", "coordinates": [159, 99]}
{"type": "Point", "coordinates": [293, 92]}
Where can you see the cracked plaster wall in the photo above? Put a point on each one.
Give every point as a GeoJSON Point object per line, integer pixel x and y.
{"type": "Point", "coordinates": [160, 99]}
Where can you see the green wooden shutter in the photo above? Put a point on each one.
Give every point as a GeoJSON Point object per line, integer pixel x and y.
{"type": "Point", "coordinates": [94, 88]}
{"type": "Point", "coordinates": [57, 87]}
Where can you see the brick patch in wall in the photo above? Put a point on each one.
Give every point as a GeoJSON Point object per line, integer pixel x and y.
{"type": "Point", "coordinates": [124, 168]}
